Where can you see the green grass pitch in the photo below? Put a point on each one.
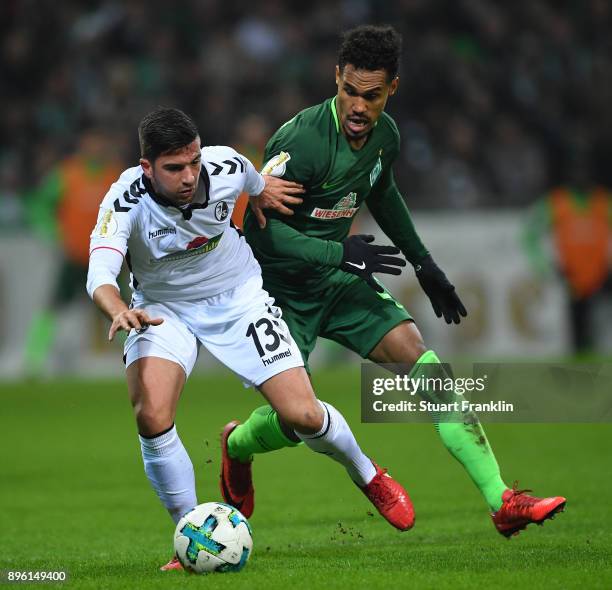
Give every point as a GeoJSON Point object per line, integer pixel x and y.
{"type": "Point", "coordinates": [74, 497]}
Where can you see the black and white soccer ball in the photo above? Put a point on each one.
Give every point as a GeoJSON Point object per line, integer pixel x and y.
{"type": "Point", "coordinates": [213, 537]}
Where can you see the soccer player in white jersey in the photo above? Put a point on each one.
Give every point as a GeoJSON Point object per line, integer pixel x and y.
{"type": "Point", "coordinates": [196, 283]}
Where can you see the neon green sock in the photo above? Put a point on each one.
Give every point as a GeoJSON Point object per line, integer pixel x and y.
{"type": "Point", "coordinates": [465, 439]}
{"type": "Point", "coordinates": [39, 341]}
{"type": "Point", "coordinates": [261, 433]}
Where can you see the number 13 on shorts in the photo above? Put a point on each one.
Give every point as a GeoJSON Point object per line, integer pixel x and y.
{"type": "Point", "coordinates": [269, 334]}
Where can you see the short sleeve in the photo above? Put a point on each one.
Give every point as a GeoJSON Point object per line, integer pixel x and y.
{"type": "Point", "coordinates": [254, 182]}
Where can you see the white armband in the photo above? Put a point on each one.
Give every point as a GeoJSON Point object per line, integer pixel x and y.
{"type": "Point", "coordinates": [104, 266]}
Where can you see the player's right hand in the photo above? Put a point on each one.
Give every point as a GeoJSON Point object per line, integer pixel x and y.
{"type": "Point", "coordinates": [276, 195]}
{"type": "Point", "coordinates": [137, 319]}
{"type": "Point", "coordinates": [362, 258]}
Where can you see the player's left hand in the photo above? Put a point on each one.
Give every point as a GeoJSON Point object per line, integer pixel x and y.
{"type": "Point", "coordinates": [276, 194]}
{"type": "Point", "coordinates": [440, 291]}
{"type": "Point", "coordinates": [362, 258]}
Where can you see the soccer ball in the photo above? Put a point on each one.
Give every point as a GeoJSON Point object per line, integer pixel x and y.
{"type": "Point", "coordinates": [213, 537]}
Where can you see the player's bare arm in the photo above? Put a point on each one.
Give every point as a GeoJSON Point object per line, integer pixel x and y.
{"type": "Point", "coordinates": [276, 195]}
{"type": "Point", "coordinates": [108, 299]}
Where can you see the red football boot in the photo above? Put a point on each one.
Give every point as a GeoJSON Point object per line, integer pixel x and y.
{"type": "Point", "coordinates": [173, 564]}
{"type": "Point", "coordinates": [236, 480]}
{"type": "Point", "coordinates": [390, 499]}
{"type": "Point", "coordinates": [520, 509]}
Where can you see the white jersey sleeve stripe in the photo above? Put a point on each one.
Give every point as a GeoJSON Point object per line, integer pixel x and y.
{"type": "Point", "coordinates": [104, 266]}
{"type": "Point", "coordinates": [107, 248]}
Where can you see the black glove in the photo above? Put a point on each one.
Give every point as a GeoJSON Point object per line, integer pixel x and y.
{"type": "Point", "coordinates": [441, 293]}
{"type": "Point", "coordinates": [362, 258]}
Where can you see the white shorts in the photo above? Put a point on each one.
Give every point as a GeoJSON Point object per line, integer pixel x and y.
{"type": "Point", "coordinates": [241, 327]}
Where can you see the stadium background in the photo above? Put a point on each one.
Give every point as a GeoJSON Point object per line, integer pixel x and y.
{"type": "Point", "coordinates": [498, 104]}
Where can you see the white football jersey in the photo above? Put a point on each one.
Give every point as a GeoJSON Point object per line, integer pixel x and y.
{"type": "Point", "coordinates": [180, 254]}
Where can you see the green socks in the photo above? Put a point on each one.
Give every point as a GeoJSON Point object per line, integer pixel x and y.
{"type": "Point", "coordinates": [39, 341]}
{"type": "Point", "coordinates": [464, 438]}
{"type": "Point", "coordinates": [261, 433]}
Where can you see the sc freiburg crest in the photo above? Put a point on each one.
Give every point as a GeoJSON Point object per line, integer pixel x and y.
{"type": "Point", "coordinates": [221, 210]}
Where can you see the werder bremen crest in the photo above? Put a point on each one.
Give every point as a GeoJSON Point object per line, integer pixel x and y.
{"type": "Point", "coordinates": [376, 171]}
{"type": "Point", "coordinates": [347, 202]}
{"type": "Point", "coordinates": [345, 207]}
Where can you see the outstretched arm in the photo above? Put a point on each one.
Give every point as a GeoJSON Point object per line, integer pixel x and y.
{"type": "Point", "coordinates": [108, 247]}
{"type": "Point", "coordinates": [391, 213]}
{"type": "Point", "coordinates": [356, 254]}
{"type": "Point", "coordinates": [104, 266]}
{"type": "Point", "coordinates": [282, 241]}
{"type": "Point", "coordinates": [108, 299]}
{"type": "Point", "coordinates": [276, 195]}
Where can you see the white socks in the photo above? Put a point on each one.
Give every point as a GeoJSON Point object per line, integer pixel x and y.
{"type": "Point", "coordinates": [336, 440]}
{"type": "Point", "coordinates": [170, 472]}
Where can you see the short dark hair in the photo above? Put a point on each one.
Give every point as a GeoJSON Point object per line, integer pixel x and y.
{"type": "Point", "coordinates": [370, 47]}
{"type": "Point", "coordinates": [164, 131]}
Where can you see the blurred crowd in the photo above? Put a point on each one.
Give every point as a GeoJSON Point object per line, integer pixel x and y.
{"type": "Point", "coordinates": [497, 100]}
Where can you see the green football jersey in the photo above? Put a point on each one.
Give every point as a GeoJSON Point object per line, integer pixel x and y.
{"type": "Point", "coordinates": [305, 249]}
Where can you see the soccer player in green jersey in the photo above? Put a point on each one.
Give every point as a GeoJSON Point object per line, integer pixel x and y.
{"type": "Point", "coordinates": [342, 152]}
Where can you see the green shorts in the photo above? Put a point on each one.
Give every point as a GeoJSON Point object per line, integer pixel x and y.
{"type": "Point", "coordinates": [347, 311]}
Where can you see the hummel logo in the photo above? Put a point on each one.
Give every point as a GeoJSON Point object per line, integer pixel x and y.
{"type": "Point", "coordinates": [359, 266]}
{"type": "Point", "coordinates": [158, 233]}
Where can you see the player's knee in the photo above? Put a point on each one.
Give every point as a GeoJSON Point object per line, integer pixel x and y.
{"type": "Point", "coordinates": [416, 350]}
{"type": "Point", "coordinates": [152, 418]}
{"type": "Point", "coordinates": [305, 419]}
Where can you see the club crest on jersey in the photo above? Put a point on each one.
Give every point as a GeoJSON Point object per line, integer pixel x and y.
{"type": "Point", "coordinates": [107, 224]}
{"type": "Point", "coordinates": [375, 171]}
{"type": "Point", "coordinates": [345, 207]}
{"type": "Point", "coordinates": [221, 211]}
{"type": "Point", "coordinates": [277, 166]}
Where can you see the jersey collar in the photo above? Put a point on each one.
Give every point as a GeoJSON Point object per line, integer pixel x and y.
{"type": "Point", "coordinates": [332, 106]}
{"type": "Point", "coordinates": [187, 210]}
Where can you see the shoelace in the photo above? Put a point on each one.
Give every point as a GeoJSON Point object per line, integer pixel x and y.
{"type": "Point", "coordinates": [520, 500]}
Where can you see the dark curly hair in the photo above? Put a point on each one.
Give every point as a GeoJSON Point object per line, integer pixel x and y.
{"type": "Point", "coordinates": [165, 131]}
{"type": "Point", "coordinates": [370, 47]}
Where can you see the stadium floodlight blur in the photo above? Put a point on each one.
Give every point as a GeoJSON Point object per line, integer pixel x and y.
{"type": "Point", "coordinates": [494, 94]}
